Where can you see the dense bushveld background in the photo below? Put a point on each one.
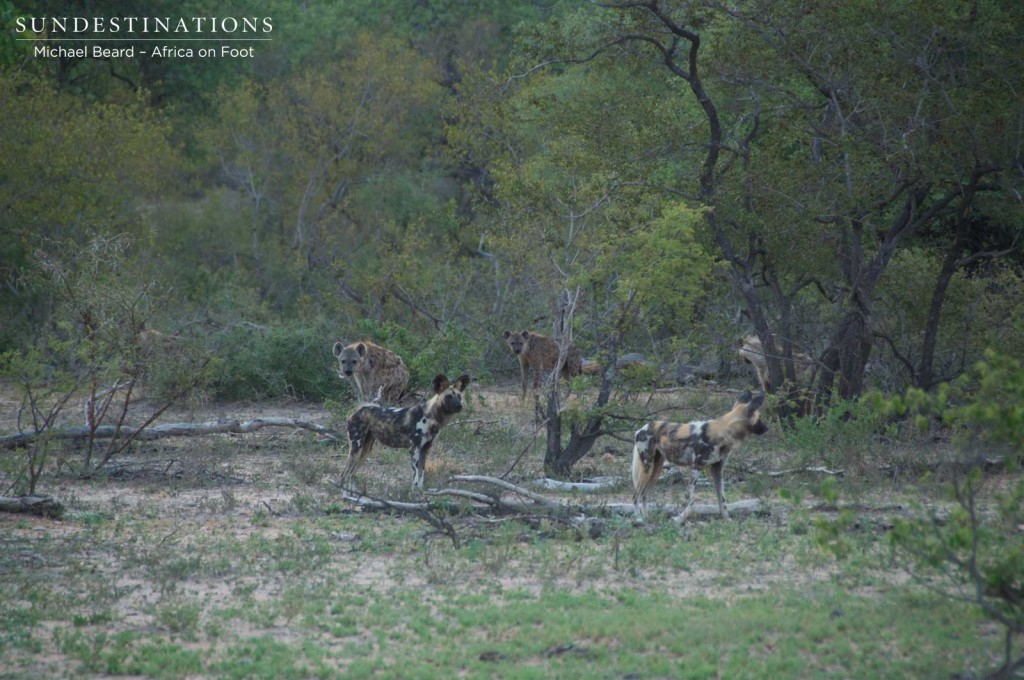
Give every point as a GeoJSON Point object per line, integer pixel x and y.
{"type": "Point", "coordinates": [657, 178]}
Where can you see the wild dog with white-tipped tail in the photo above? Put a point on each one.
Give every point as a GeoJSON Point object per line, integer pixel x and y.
{"type": "Point", "coordinates": [697, 445]}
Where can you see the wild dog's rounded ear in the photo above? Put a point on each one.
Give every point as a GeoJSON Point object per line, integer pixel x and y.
{"type": "Point", "coordinates": [462, 382]}
{"type": "Point", "coordinates": [440, 383]}
{"type": "Point", "coordinates": [755, 403]}
{"type": "Point", "coordinates": [744, 397]}
{"type": "Point", "coordinates": [361, 348]}
{"type": "Point", "coordinates": [337, 348]}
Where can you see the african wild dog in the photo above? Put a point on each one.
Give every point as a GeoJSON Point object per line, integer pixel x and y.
{"type": "Point", "coordinates": [541, 353]}
{"type": "Point", "coordinates": [752, 351]}
{"type": "Point", "coordinates": [413, 426]}
{"type": "Point", "coordinates": [697, 445]}
{"type": "Point", "coordinates": [378, 373]}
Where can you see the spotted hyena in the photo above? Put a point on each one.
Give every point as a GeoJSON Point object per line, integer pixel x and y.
{"type": "Point", "coordinates": [541, 353]}
{"type": "Point", "coordinates": [379, 374]}
{"type": "Point", "coordinates": [751, 351]}
{"type": "Point", "coordinates": [414, 427]}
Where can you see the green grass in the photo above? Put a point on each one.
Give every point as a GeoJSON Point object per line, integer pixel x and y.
{"type": "Point", "coordinates": [739, 599]}
{"type": "Point", "coordinates": [266, 573]}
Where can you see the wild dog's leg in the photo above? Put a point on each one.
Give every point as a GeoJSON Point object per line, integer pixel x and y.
{"type": "Point", "coordinates": [419, 463]}
{"type": "Point", "coordinates": [715, 470]}
{"type": "Point", "coordinates": [656, 468]}
{"type": "Point", "coordinates": [690, 495]}
{"type": "Point", "coordinates": [360, 445]}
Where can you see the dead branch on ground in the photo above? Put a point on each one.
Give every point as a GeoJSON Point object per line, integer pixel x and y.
{"type": "Point", "coordinates": [165, 430]}
{"type": "Point", "coordinates": [44, 506]}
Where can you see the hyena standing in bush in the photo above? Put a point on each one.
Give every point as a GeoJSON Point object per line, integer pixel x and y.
{"type": "Point", "coordinates": [378, 373]}
{"type": "Point", "coordinates": [752, 352]}
{"type": "Point", "coordinates": [541, 353]}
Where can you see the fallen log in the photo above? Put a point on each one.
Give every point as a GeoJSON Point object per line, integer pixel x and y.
{"type": "Point", "coordinates": [165, 430]}
{"type": "Point", "coordinates": [45, 506]}
{"type": "Point", "coordinates": [743, 508]}
{"type": "Point", "coordinates": [509, 486]}
{"type": "Point", "coordinates": [589, 486]}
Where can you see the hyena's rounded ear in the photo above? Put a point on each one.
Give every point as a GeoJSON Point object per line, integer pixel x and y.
{"type": "Point", "coordinates": [361, 349]}
{"type": "Point", "coordinates": [462, 382]}
{"type": "Point", "coordinates": [506, 335]}
{"type": "Point", "coordinates": [440, 383]}
{"type": "Point", "coordinates": [338, 347]}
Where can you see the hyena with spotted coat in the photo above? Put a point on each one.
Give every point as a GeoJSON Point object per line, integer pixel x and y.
{"type": "Point", "coordinates": [377, 372]}
{"type": "Point", "coordinates": [697, 445]}
{"type": "Point", "coordinates": [751, 351]}
{"type": "Point", "coordinates": [541, 353]}
{"type": "Point", "coordinates": [414, 427]}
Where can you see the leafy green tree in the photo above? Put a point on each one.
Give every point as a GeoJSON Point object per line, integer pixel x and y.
{"type": "Point", "coordinates": [576, 225]}
{"type": "Point", "coordinates": [827, 140]}
{"type": "Point", "coordinates": [973, 554]}
{"type": "Point", "coordinates": [69, 170]}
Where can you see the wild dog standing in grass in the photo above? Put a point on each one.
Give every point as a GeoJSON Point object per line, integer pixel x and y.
{"type": "Point", "coordinates": [413, 426]}
{"type": "Point", "coordinates": [378, 373]}
{"type": "Point", "coordinates": [697, 445]}
{"type": "Point", "coordinates": [541, 352]}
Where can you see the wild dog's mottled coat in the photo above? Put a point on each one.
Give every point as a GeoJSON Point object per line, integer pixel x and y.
{"type": "Point", "coordinates": [697, 445]}
{"type": "Point", "coordinates": [377, 372]}
{"type": "Point", "coordinates": [414, 427]}
{"type": "Point", "coordinates": [752, 352]}
{"type": "Point", "coordinates": [541, 353]}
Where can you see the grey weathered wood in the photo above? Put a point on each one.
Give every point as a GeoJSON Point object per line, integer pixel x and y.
{"type": "Point", "coordinates": [750, 506]}
{"type": "Point", "coordinates": [166, 430]}
{"type": "Point", "coordinates": [596, 484]}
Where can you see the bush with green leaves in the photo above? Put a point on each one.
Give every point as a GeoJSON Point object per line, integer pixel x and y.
{"type": "Point", "coordinates": [984, 407]}
{"type": "Point", "coordinates": [451, 351]}
{"type": "Point", "coordinates": [973, 550]}
{"type": "Point", "coordinates": [843, 436]}
{"type": "Point", "coordinates": [288, 361]}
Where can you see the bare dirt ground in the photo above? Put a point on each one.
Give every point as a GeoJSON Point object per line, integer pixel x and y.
{"type": "Point", "coordinates": [213, 541]}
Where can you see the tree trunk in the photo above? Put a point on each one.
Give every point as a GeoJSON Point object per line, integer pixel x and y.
{"type": "Point", "coordinates": [924, 375]}
{"type": "Point", "coordinates": [847, 355]}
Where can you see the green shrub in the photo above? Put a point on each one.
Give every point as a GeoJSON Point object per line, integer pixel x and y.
{"type": "Point", "coordinates": [293, 361]}
{"type": "Point", "coordinates": [844, 436]}
{"type": "Point", "coordinates": [984, 407]}
{"type": "Point", "coordinates": [451, 352]}
{"type": "Point", "coordinates": [972, 553]}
